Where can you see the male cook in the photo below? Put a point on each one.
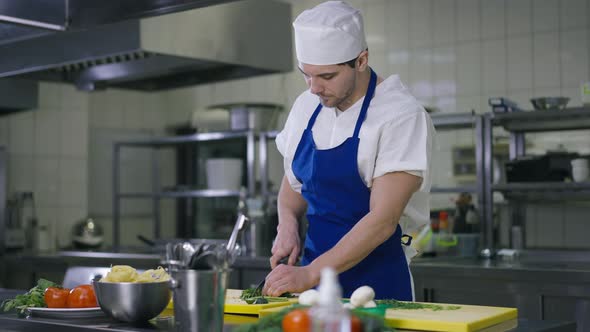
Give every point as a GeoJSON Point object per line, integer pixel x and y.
{"type": "Point", "coordinates": [356, 151]}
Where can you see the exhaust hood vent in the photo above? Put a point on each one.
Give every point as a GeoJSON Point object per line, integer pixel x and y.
{"type": "Point", "coordinates": [228, 41]}
{"type": "Point", "coordinates": [17, 95]}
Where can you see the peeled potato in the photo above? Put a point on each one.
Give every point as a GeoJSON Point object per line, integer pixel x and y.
{"type": "Point", "coordinates": [121, 273]}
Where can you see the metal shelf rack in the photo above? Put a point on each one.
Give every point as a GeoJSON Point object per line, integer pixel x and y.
{"type": "Point", "coordinates": [543, 191]}
{"type": "Point", "coordinates": [158, 192]}
{"type": "Point", "coordinates": [517, 123]}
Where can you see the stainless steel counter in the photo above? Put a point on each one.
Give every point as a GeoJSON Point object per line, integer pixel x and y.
{"type": "Point", "coordinates": [524, 269]}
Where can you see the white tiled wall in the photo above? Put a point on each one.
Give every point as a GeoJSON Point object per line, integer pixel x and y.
{"type": "Point", "coordinates": [48, 151]}
{"type": "Point", "coordinates": [453, 54]}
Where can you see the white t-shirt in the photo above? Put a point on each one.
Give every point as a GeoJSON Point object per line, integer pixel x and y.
{"type": "Point", "coordinates": [397, 135]}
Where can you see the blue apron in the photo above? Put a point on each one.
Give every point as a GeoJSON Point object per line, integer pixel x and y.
{"type": "Point", "coordinates": [337, 199]}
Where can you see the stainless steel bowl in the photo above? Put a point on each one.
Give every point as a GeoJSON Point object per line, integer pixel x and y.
{"type": "Point", "coordinates": [132, 302]}
{"type": "Point", "coordinates": [549, 103]}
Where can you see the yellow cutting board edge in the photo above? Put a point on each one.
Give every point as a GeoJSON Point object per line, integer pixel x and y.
{"type": "Point", "coordinates": [461, 324]}
{"type": "Point", "coordinates": [498, 316]}
{"type": "Point", "coordinates": [248, 309]}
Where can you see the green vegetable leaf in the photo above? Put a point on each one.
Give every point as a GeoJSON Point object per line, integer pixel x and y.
{"type": "Point", "coordinates": [33, 298]}
{"type": "Point", "coordinates": [43, 284]}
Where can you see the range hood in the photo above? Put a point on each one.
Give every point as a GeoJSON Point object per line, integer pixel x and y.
{"type": "Point", "coordinates": [17, 95]}
{"type": "Point", "coordinates": [221, 42]}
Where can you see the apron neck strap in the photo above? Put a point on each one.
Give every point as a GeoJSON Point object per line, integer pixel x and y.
{"type": "Point", "coordinates": [368, 96]}
{"type": "Point", "coordinates": [366, 102]}
{"type": "Point", "coordinates": [314, 116]}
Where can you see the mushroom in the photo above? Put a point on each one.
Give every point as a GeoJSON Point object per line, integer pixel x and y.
{"type": "Point", "coordinates": [361, 296]}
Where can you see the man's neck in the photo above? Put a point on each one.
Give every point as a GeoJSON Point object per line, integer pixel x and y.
{"type": "Point", "coordinates": [360, 90]}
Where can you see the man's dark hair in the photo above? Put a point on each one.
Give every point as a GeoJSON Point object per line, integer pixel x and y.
{"type": "Point", "coordinates": [351, 63]}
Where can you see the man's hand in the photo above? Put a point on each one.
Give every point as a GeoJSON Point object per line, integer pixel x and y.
{"type": "Point", "coordinates": [287, 244]}
{"type": "Point", "coordinates": [286, 278]}
{"type": "Point", "coordinates": [291, 207]}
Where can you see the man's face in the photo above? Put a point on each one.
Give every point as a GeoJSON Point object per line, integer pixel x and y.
{"type": "Point", "coordinates": [334, 84]}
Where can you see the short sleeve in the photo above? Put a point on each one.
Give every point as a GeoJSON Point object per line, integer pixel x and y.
{"type": "Point", "coordinates": [284, 142]}
{"type": "Point", "coordinates": [405, 144]}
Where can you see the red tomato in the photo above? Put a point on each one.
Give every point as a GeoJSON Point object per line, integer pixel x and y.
{"type": "Point", "coordinates": [56, 297]}
{"type": "Point", "coordinates": [356, 325]}
{"type": "Point", "coordinates": [82, 297]}
{"type": "Point", "coordinates": [297, 321]}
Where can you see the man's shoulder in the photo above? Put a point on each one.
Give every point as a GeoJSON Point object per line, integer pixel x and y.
{"type": "Point", "coordinates": [393, 100]}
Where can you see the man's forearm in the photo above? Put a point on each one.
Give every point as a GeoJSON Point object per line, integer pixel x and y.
{"type": "Point", "coordinates": [291, 205]}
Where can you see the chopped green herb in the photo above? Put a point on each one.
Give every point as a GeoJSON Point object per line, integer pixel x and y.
{"type": "Point", "coordinates": [252, 300]}
{"type": "Point", "coordinates": [395, 304]}
{"type": "Point", "coordinates": [255, 292]}
{"type": "Point", "coordinates": [250, 292]}
{"type": "Point", "coordinates": [261, 300]}
{"type": "Point", "coordinates": [33, 298]}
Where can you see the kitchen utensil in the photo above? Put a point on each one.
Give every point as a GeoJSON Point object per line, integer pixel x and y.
{"type": "Point", "coordinates": [232, 249]}
{"type": "Point", "coordinates": [260, 285]}
{"type": "Point", "coordinates": [87, 234]}
{"type": "Point", "coordinates": [199, 297]}
{"type": "Point", "coordinates": [132, 302]}
{"type": "Point", "coordinates": [549, 103]}
{"type": "Point", "coordinates": [204, 260]}
{"type": "Point", "coordinates": [187, 253]}
{"type": "Point", "coordinates": [146, 240]}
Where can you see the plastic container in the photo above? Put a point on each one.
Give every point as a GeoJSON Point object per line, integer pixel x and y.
{"type": "Point", "coordinates": [329, 315]}
{"type": "Point", "coordinates": [224, 173]}
{"type": "Point", "coordinates": [443, 222]}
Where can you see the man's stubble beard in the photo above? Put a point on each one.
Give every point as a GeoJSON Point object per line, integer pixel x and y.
{"type": "Point", "coordinates": [344, 102]}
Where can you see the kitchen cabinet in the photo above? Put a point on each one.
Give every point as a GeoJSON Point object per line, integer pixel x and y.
{"type": "Point", "coordinates": [538, 292]}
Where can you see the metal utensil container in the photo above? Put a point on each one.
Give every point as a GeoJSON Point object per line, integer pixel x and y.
{"type": "Point", "coordinates": [199, 297]}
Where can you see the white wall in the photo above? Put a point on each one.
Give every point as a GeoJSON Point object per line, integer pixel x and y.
{"type": "Point", "coordinates": [47, 153]}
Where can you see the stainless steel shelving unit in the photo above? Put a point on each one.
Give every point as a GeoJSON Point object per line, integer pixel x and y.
{"type": "Point", "coordinates": [518, 123]}
{"type": "Point", "coordinates": [263, 161]}
{"type": "Point", "coordinates": [477, 123]}
{"type": "Point", "coordinates": [456, 121]}
{"type": "Point", "coordinates": [158, 192]}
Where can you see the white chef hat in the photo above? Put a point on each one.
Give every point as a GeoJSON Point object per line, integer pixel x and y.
{"type": "Point", "coordinates": [330, 33]}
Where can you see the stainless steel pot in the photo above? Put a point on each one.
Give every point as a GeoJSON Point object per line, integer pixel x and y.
{"type": "Point", "coordinates": [87, 234]}
{"type": "Point", "coordinates": [252, 116]}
